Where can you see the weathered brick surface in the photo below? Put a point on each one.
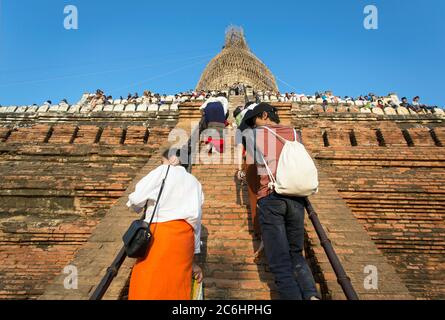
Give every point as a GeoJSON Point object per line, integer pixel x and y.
{"type": "Point", "coordinates": [62, 134]}
{"type": "Point", "coordinates": [94, 257]}
{"type": "Point", "coordinates": [4, 132]}
{"type": "Point", "coordinates": [52, 196]}
{"type": "Point", "coordinates": [86, 134]}
{"type": "Point", "coordinates": [398, 195]}
{"type": "Point", "coordinates": [440, 134]}
{"type": "Point", "coordinates": [136, 135]}
{"type": "Point", "coordinates": [228, 259]}
{"type": "Point", "coordinates": [111, 135]}
{"type": "Point", "coordinates": [392, 182]}
{"type": "Point", "coordinates": [394, 186]}
{"type": "Point", "coordinates": [381, 201]}
{"type": "Point", "coordinates": [421, 137]}
{"type": "Point", "coordinates": [353, 246]}
{"type": "Point", "coordinates": [366, 137]}
{"type": "Point", "coordinates": [33, 134]}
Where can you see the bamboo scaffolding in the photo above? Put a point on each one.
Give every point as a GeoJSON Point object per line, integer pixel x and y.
{"type": "Point", "coordinates": [236, 63]}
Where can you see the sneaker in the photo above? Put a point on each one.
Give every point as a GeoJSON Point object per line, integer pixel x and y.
{"type": "Point", "coordinates": [314, 298]}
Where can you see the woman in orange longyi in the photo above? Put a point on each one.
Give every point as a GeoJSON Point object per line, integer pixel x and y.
{"type": "Point", "coordinates": [167, 270]}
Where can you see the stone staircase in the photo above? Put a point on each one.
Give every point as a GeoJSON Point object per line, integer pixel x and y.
{"type": "Point", "coordinates": [227, 236]}
{"type": "Point", "coordinates": [234, 102]}
{"type": "Point", "coordinates": [340, 146]}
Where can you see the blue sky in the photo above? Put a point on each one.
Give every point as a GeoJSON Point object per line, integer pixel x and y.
{"type": "Point", "coordinates": [163, 46]}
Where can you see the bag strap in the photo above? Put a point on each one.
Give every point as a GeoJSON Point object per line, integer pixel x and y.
{"type": "Point", "coordinates": [278, 136]}
{"type": "Point", "coordinates": [157, 201]}
{"type": "Point", "coordinates": [269, 172]}
{"type": "Point", "coordinates": [257, 150]}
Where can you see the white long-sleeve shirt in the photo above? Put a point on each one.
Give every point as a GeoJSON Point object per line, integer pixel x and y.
{"type": "Point", "coordinates": [223, 101]}
{"type": "Point", "coordinates": [181, 199]}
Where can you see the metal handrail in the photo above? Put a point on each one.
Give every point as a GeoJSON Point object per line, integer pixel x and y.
{"type": "Point", "coordinates": [342, 278]}
{"type": "Point", "coordinates": [112, 271]}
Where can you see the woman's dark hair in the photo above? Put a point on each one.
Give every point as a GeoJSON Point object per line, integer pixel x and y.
{"type": "Point", "coordinates": [170, 152]}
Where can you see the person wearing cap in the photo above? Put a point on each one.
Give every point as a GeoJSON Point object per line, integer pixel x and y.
{"type": "Point", "coordinates": [281, 217]}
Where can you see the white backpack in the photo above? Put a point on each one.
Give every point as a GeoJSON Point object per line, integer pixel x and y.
{"type": "Point", "coordinates": [296, 171]}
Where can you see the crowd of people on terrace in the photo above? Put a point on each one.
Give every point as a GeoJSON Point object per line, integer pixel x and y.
{"type": "Point", "coordinates": [364, 101]}
{"type": "Point", "coordinates": [368, 101]}
{"type": "Point", "coordinates": [99, 98]}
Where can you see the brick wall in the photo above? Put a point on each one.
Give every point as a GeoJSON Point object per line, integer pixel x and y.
{"type": "Point", "coordinates": [56, 185]}
{"type": "Point", "coordinates": [228, 257]}
{"type": "Point", "coordinates": [391, 176]}
{"type": "Point", "coordinates": [380, 201]}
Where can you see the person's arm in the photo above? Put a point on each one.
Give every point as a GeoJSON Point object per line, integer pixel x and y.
{"type": "Point", "coordinates": [240, 174]}
{"type": "Point", "coordinates": [147, 188]}
{"type": "Point", "coordinates": [196, 269]}
{"type": "Point", "coordinates": [203, 106]}
{"type": "Point", "coordinates": [225, 104]}
{"type": "Point", "coordinates": [239, 156]}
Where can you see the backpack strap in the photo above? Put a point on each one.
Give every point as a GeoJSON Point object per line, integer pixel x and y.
{"type": "Point", "coordinates": [269, 172]}
{"type": "Point", "coordinates": [301, 137]}
{"type": "Point", "coordinates": [278, 136]}
{"type": "Point", "coordinates": [157, 201]}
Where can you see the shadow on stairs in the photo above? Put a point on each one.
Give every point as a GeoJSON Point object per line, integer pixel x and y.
{"type": "Point", "coordinates": [228, 241]}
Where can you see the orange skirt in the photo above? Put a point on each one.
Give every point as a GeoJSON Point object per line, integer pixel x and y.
{"type": "Point", "coordinates": [166, 272]}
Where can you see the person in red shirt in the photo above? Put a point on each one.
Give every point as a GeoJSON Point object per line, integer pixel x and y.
{"type": "Point", "coordinates": [281, 217]}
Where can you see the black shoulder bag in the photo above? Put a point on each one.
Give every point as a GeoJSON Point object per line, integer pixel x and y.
{"type": "Point", "coordinates": [138, 237]}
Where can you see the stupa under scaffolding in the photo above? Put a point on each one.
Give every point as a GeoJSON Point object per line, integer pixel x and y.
{"type": "Point", "coordinates": [236, 64]}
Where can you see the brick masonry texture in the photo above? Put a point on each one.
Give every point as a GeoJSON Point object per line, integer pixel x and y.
{"type": "Point", "coordinates": [390, 176]}
{"type": "Point", "coordinates": [228, 257]}
{"type": "Point", "coordinates": [66, 179]}
{"type": "Point", "coordinates": [56, 186]}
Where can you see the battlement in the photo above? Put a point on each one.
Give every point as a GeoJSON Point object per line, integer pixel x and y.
{"type": "Point", "coordinates": [381, 200]}
{"type": "Point", "coordinates": [57, 184]}
{"type": "Point", "coordinates": [120, 107]}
